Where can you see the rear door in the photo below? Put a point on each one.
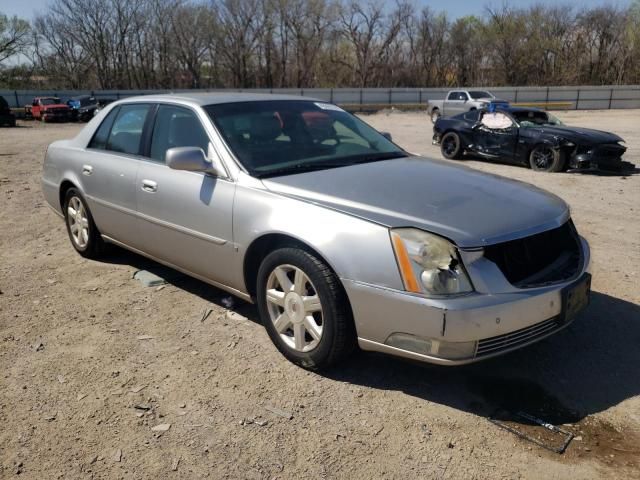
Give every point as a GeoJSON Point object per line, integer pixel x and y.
{"type": "Point", "coordinates": [185, 217]}
{"type": "Point", "coordinates": [109, 172]}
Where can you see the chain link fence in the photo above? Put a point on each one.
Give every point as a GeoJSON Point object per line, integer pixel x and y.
{"type": "Point", "coordinates": [567, 98]}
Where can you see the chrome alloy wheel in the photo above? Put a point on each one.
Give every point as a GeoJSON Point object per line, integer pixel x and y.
{"type": "Point", "coordinates": [78, 222]}
{"type": "Point", "coordinates": [294, 308]}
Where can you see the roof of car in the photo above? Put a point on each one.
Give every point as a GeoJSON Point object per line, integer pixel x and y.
{"type": "Point", "coordinates": [210, 98]}
{"type": "Point", "coordinates": [519, 109]}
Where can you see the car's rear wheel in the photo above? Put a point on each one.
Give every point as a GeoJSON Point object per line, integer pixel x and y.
{"type": "Point", "coordinates": [435, 115]}
{"type": "Point", "coordinates": [451, 146]}
{"type": "Point", "coordinates": [304, 308]}
{"type": "Point", "coordinates": [82, 230]}
{"type": "Point", "coordinates": [544, 158]}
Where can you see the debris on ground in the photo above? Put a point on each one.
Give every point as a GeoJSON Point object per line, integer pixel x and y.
{"type": "Point", "coordinates": [279, 412]}
{"type": "Point", "coordinates": [80, 396]}
{"type": "Point", "coordinates": [144, 337]}
{"type": "Point", "coordinates": [205, 314]}
{"type": "Point", "coordinates": [149, 279]}
{"type": "Point", "coordinates": [117, 456]}
{"type": "Point", "coordinates": [533, 429]}
{"type": "Point", "coordinates": [137, 389]}
{"type": "Point", "coordinates": [228, 302]}
{"type": "Point", "coordinates": [163, 427]}
{"type": "Point", "coordinates": [175, 463]}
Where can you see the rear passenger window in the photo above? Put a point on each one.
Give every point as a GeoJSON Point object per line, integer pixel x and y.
{"type": "Point", "coordinates": [126, 131]}
{"type": "Point", "coordinates": [101, 136]}
{"type": "Point", "coordinates": [176, 127]}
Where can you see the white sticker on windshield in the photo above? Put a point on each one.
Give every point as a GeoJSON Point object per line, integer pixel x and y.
{"type": "Point", "coordinates": [329, 106]}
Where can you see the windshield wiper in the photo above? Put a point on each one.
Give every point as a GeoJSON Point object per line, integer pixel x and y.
{"type": "Point", "coordinates": [312, 167]}
{"type": "Point", "coordinates": [299, 168]}
{"type": "Point", "coordinates": [379, 157]}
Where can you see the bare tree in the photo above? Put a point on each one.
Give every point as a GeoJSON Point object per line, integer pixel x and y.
{"type": "Point", "coordinates": [14, 36]}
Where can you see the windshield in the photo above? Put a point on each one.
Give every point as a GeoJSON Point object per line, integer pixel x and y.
{"type": "Point", "coordinates": [475, 94]}
{"type": "Point", "coordinates": [535, 119]}
{"type": "Point", "coordinates": [50, 101]}
{"type": "Point", "coordinates": [284, 137]}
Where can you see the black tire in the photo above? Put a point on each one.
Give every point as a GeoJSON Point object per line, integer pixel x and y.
{"type": "Point", "coordinates": [338, 337]}
{"type": "Point", "coordinates": [451, 146]}
{"type": "Point", "coordinates": [435, 115]}
{"type": "Point", "coordinates": [544, 158]}
{"type": "Point", "coordinates": [95, 245]}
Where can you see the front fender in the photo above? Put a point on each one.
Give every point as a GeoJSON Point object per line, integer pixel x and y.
{"type": "Point", "coordinates": [354, 248]}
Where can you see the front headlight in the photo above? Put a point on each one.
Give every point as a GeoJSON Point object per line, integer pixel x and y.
{"type": "Point", "coordinates": [429, 264]}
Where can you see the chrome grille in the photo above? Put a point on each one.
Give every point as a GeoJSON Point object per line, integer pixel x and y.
{"type": "Point", "coordinates": [519, 337]}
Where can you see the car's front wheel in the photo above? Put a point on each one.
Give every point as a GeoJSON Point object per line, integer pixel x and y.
{"type": "Point", "coordinates": [451, 146]}
{"type": "Point", "coordinates": [81, 228]}
{"type": "Point", "coordinates": [544, 158]}
{"type": "Point", "coordinates": [304, 308]}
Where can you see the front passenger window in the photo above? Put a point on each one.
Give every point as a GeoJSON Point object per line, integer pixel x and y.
{"type": "Point", "coordinates": [176, 127]}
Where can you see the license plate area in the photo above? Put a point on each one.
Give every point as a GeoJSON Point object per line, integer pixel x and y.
{"type": "Point", "coordinates": [575, 297]}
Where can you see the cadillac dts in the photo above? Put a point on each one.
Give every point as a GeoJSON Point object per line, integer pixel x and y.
{"type": "Point", "coordinates": [338, 235]}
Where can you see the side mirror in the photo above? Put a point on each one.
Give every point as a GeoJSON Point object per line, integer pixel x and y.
{"type": "Point", "coordinates": [386, 135]}
{"type": "Point", "coordinates": [192, 159]}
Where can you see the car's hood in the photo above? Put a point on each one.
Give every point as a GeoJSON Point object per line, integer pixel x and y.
{"type": "Point", "coordinates": [467, 206]}
{"type": "Point", "coordinates": [583, 136]}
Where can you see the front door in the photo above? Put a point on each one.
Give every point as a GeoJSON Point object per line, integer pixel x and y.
{"type": "Point", "coordinates": [496, 136]}
{"type": "Point", "coordinates": [185, 218]}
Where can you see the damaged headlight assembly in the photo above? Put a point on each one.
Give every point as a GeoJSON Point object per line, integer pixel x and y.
{"type": "Point", "coordinates": [429, 264]}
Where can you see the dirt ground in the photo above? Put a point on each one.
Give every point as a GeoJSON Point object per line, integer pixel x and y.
{"type": "Point", "coordinates": [90, 360]}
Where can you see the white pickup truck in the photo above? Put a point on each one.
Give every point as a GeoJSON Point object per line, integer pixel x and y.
{"type": "Point", "coordinates": [460, 101]}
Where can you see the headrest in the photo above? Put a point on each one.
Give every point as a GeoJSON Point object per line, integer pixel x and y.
{"type": "Point", "coordinates": [265, 128]}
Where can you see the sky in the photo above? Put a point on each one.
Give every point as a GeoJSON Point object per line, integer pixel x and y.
{"type": "Point", "coordinates": [454, 8]}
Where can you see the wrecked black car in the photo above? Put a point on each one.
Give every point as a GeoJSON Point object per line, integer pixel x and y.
{"type": "Point", "coordinates": [529, 136]}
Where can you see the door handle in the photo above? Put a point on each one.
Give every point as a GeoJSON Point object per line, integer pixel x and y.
{"type": "Point", "coordinates": [87, 169]}
{"type": "Point", "coordinates": [149, 186]}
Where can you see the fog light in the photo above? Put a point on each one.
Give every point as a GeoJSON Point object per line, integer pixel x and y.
{"type": "Point", "coordinates": [432, 347]}
{"type": "Point", "coordinates": [404, 341]}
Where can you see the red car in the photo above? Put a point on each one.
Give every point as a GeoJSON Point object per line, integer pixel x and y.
{"type": "Point", "coordinates": [48, 109]}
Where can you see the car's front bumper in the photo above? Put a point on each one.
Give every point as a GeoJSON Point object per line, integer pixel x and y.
{"type": "Point", "coordinates": [497, 323]}
{"type": "Point", "coordinates": [606, 157]}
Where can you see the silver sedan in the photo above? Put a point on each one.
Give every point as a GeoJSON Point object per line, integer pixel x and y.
{"type": "Point", "coordinates": [341, 237]}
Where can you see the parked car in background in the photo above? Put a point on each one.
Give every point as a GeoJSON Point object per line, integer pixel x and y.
{"type": "Point", "coordinates": [48, 109]}
{"type": "Point", "coordinates": [340, 236]}
{"type": "Point", "coordinates": [7, 118]}
{"type": "Point", "coordinates": [103, 102]}
{"type": "Point", "coordinates": [82, 107]}
{"type": "Point", "coordinates": [529, 136]}
{"type": "Point", "coordinates": [460, 101]}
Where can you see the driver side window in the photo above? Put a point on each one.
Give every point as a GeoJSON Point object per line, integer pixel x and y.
{"type": "Point", "coordinates": [496, 121]}
{"type": "Point", "coordinates": [176, 127]}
